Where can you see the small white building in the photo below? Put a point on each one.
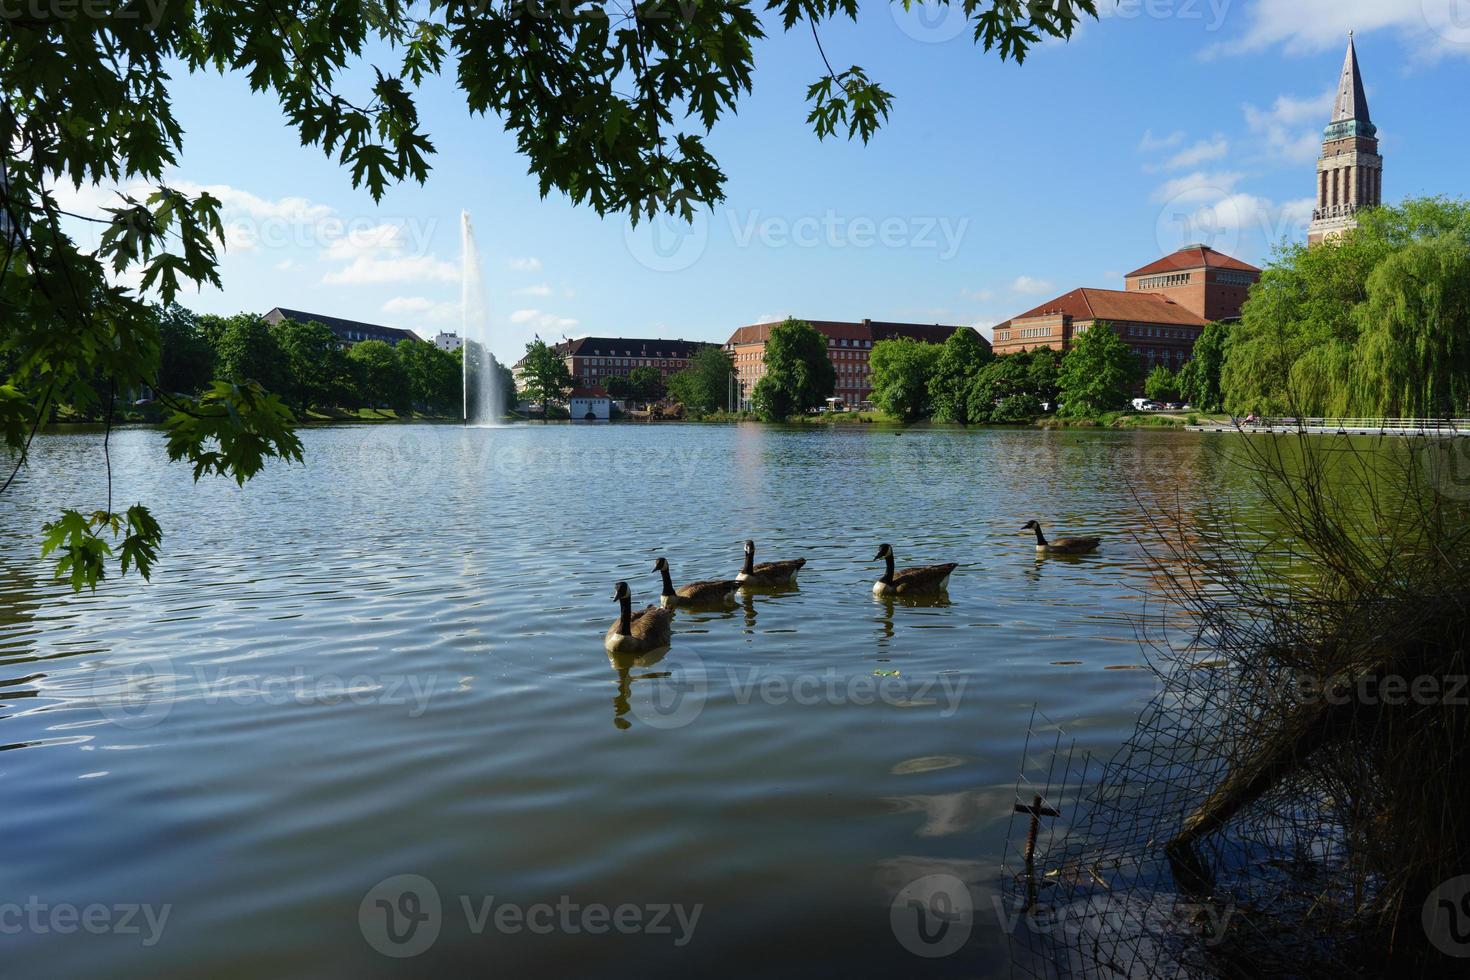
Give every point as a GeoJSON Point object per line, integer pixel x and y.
{"type": "Point", "coordinates": [590, 405]}
{"type": "Point", "coordinates": [448, 342]}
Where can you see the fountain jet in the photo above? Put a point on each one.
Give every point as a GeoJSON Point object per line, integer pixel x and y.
{"type": "Point", "coordinates": [484, 390]}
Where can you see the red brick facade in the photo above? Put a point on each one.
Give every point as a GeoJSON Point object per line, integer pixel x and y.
{"type": "Point", "coordinates": [848, 348]}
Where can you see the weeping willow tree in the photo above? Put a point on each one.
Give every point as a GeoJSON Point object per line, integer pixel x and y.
{"type": "Point", "coordinates": [1366, 325]}
{"type": "Point", "coordinates": [1413, 357]}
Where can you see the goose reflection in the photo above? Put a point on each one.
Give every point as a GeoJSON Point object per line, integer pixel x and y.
{"type": "Point", "coordinates": [625, 664]}
{"type": "Point", "coordinates": [749, 593]}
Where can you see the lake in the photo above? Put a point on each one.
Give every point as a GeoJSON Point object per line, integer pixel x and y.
{"type": "Point", "coordinates": [389, 663]}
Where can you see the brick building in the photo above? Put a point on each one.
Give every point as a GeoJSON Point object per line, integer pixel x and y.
{"type": "Point", "coordinates": [1160, 313]}
{"type": "Point", "coordinates": [592, 360]}
{"type": "Point", "coordinates": [1350, 170]}
{"type": "Point", "coordinates": [848, 348]}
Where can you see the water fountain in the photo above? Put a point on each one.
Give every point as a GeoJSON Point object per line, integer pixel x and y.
{"type": "Point", "coordinates": [484, 393]}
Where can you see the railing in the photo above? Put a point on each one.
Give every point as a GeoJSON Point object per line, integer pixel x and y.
{"type": "Point", "coordinates": [1385, 426]}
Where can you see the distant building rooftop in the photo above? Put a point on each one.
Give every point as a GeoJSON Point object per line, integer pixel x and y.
{"type": "Point", "coordinates": [1113, 305]}
{"type": "Point", "coordinates": [1194, 257]}
{"type": "Point", "coordinates": [348, 331]}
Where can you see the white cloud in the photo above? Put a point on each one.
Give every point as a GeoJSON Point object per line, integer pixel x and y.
{"type": "Point", "coordinates": [421, 307]}
{"type": "Point", "coordinates": [1203, 151]}
{"type": "Point", "coordinates": [1291, 129]}
{"type": "Point", "coordinates": [540, 320]}
{"type": "Point", "coordinates": [1027, 285]}
{"type": "Point", "coordinates": [1432, 28]}
{"type": "Point", "coordinates": [1198, 186]}
{"type": "Point", "coordinates": [381, 254]}
{"type": "Point", "coordinates": [540, 289]}
{"type": "Point", "coordinates": [368, 270]}
{"type": "Point", "coordinates": [771, 318]}
{"type": "Point", "coordinates": [530, 264]}
{"type": "Point", "coordinates": [979, 295]}
{"type": "Point", "coordinates": [242, 202]}
{"type": "Point", "coordinates": [1153, 144]}
{"type": "Point", "coordinates": [285, 265]}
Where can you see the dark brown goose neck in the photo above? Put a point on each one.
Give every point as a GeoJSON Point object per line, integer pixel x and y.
{"type": "Point", "coordinates": [749, 567]}
{"type": "Point", "coordinates": [888, 573]}
{"type": "Point", "coordinates": [625, 616]}
{"type": "Point", "coordinates": [668, 582]}
{"type": "Point", "coordinates": [1040, 538]}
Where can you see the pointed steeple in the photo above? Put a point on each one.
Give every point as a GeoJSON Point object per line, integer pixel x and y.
{"type": "Point", "coordinates": [1350, 112]}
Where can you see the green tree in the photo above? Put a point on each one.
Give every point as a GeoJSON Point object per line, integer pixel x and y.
{"type": "Point", "coordinates": [902, 372]}
{"type": "Point", "coordinates": [614, 115]}
{"type": "Point", "coordinates": [186, 356]}
{"type": "Point", "coordinates": [381, 379]}
{"type": "Point", "coordinates": [247, 351]}
{"type": "Point", "coordinates": [1005, 381]}
{"type": "Point", "coordinates": [960, 360]}
{"type": "Point", "coordinates": [1161, 385]}
{"type": "Point", "coordinates": [1043, 375]}
{"type": "Point", "coordinates": [313, 362]}
{"type": "Point", "coordinates": [1296, 349]}
{"type": "Point", "coordinates": [1097, 374]}
{"type": "Point", "coordinates": [1412, 359]}
{"type": "Point", "coordinates": [544, 374]}
{"type": "Point", "coordinates": [647, 383]}
{"type": "Point", "coordinates": [1199, 379]}
{"type": "Point", "coordinates": [704, 386]}
{"type": "Point", "coordinates": [435, 381]}
{"type": "Point", "coordinates": [799, 375]}
{"type": "Point", "coordinates": [618, 386]}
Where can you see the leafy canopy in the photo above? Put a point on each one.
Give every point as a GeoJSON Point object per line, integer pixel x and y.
{"type": "Point", "coordinates": [1328, 332]}
{"type": "Point", "coordinates": [1097, 373]}
{"type": "Point", "coordinates": [544, 374]}
{"type": "Point", "coordinates": [798, 374]}
{"type": "Point", "coordinates": [611, 110]}
{"type": "Point", "coordinates": [902, 370]}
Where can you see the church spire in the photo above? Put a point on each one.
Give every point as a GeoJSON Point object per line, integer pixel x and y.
{"type": "Point", "coordinates": [1350, 112]}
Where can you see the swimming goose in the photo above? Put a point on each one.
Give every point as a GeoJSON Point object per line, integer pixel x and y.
{"type": "Point", "coordinates": [910, 581]}
{"type": "Point", "coordinates": [770, 573]}
{"type": "Point", "coordinates": [649, 630]}
{"type": "Point", "coordinates": [695, 593]}
{"type": "Point", "coordinates": [1061, 546]}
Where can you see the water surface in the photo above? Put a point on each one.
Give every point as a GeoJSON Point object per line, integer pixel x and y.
{"type": "Point", "coordinates": [389, 662]}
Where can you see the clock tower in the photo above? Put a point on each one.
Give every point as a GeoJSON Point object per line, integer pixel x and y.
{"type": "Point", "coordinates": [1350, 171]}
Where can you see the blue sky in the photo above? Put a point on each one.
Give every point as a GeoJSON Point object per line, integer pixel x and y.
{"type": "Point", "coordinates": [993, 187]}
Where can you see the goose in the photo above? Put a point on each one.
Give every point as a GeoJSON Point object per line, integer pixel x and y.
{"type": "Point", "coordinates": [769, 573]}
{"type": "Point", "coordinates": [649, 630]}
{"type": "Point", "coordinates": [910, 581]}
{"type": "Point", "coordinates": [695, 593]}
{"type": "Point", "coordinates": [1061, 546]}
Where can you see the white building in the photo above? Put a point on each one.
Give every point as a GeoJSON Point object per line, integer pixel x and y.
{"type": "Point", "coordinates": [590, 405]}
{"type": "Point", "coordinates": [448, 341]}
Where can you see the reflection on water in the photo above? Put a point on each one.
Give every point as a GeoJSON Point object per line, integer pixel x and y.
{"type": "Point", "coordinates": [389, 661]}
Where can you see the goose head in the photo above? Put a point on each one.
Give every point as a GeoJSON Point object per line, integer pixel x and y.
{"type": "Point", "coordinates": [1031, 526]}
{"type": "Point", "coordinates": [661, 565]}
{"type": "Point", "coordinates": [750, 547]}
{"type": "Point", "coordinates": [884, 550]}
{"type": "Point", "coordinates": [621, 592]}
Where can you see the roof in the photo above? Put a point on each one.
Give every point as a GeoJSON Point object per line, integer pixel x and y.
{"type": "Point", "coordinates": [1194, 257]}
{"type": "Point", "coordinates": [630, 347]}
{"type": "Point", "coordinates": [338, 325]}
{"type": "Point", "coordinates": [589, 393]}
{"type": "Point", "coordinates": [1352, 101]}
{"type": "Point", "coordinates": [874, 330]}
{"type": "Point", "coordinates": [1114, 305]}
